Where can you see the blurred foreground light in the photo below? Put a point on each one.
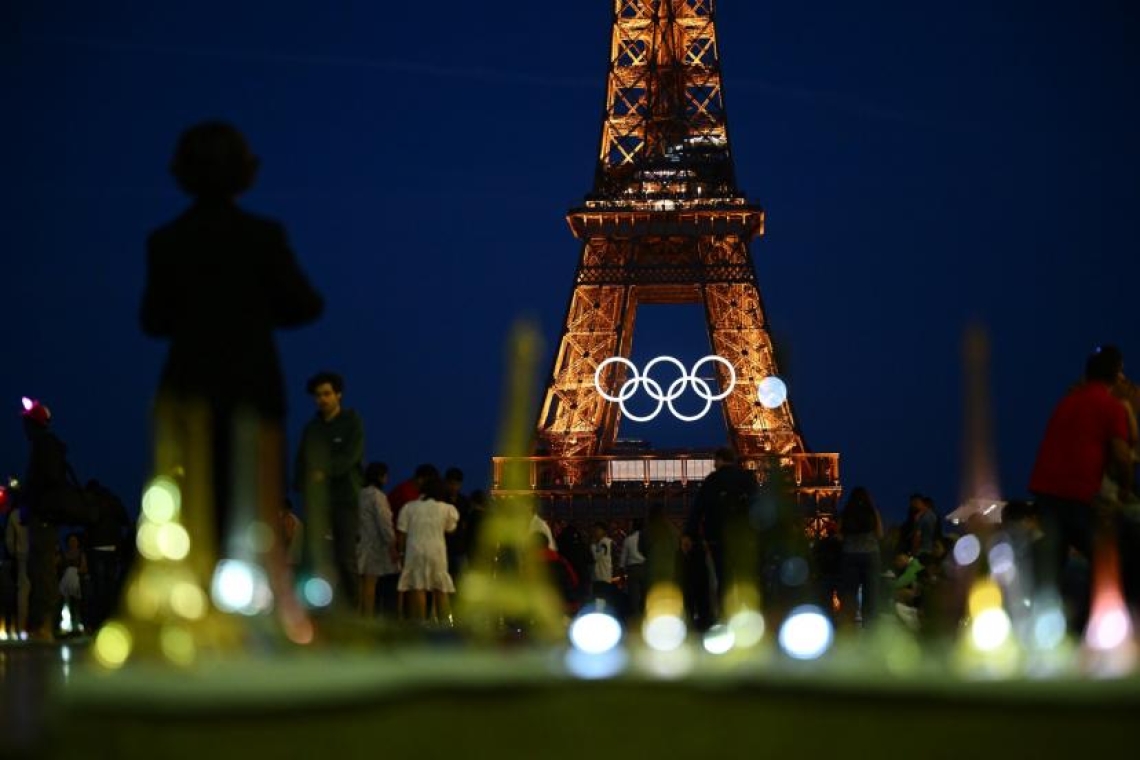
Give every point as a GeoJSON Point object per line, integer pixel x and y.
{"type": "Point", "coordinates": [985, 595]}
{"type": "Point", "coordinates": [188, 601]}
{"type": "Point", "coordinates": [771, 392]}
{"type": "Point", "coordinates": [664, 633]}
{"type": "Point", "coordinates": [240, 587]}
{"type": "Point", "coordinates": [794, 572]}
{"type": "Point", "coordinates": [1049, 628]}
{"type": "Point", "coordinates": [1109, 629]}
{"type": "Point", "coordinates": [317, 592]}
{"type": "Point", "coordinates": [747, 627]}
{"type": "Point", "coordinates": [967, 549]}
{"type": "Point", "coordinates": [147, 540]}
{"type": "Point", "coordinates": [161, 501]}
{"type": "Point", "coordinates": [1001, 558]}
{"type": "Point", "coordinates": [27, 403]}
{"type": "Point", "coordinates": [177, 645]}
{"type": "Point", "coordinates": [594, 666]}
{"type": "Point", "coordinates": [806, 634]}
{"type": "Point", "coordinates": [718, 640]}
{"type": "Point", "coordinates": [112, 645]}
{"type": "Point", "coordinates": [595, 632]}
{"type": "Point", "coordinates": [173, 541]}
{"type": "Point", "coordinates": [990, 629]}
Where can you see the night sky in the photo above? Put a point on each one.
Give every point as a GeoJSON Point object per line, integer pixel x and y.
{"type": "Point", "coordinates": [924, 167]}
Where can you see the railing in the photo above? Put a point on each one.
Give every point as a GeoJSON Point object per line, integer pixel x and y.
{"type": "Point", "coordinates": [552, 475]}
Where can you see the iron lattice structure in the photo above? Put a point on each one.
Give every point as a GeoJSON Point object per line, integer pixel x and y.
{"type": "Point", "coordinates": [665, 223]}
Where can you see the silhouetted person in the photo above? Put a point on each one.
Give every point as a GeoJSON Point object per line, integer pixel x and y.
{"type": "Point", "coordinates": [219, 281]}
{"type": "Point", "coordinates": [104, 552]}
{"type": "Point", "coordinates": [720, 512]}
{"type": "Point", "coordinates": [46, 477]}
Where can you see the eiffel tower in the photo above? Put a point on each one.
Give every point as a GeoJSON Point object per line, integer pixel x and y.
{"type": "Point", "coordinates": [665, 223]}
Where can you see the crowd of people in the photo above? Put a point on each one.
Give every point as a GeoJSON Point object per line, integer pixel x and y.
{"type": "Point", "coordinates": [400, 552]}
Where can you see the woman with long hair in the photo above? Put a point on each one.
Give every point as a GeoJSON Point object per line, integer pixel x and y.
{"type": "Point", "coordinates": [860, 529]}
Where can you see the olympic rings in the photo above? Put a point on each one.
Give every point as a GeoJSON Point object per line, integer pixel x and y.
{"type": "Point", "coordinates": [664, 398]}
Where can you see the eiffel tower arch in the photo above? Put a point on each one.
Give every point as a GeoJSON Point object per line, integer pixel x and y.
{"type": "Point", "coordinates": [665, 223]}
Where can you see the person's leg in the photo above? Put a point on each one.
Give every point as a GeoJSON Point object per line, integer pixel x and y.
{"type": "Point", "coordinates": [346, 527]}
{"type": "Point", "coordinates": [43, 599]}
{"type": "Point", "coordinates": [416, 600]}
{"type": "Point", "coordinates": [442, 601]}
{"type": "Point", "coordinates": [367, 604]}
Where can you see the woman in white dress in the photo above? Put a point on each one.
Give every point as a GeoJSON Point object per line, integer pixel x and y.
{"type": "Point", "coordinates": [376, 549]}
{"type": "Point", "coordinates": [421, 527]}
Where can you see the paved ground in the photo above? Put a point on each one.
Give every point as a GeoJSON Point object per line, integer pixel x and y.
{"type": "Point", "coordinates": [29, 674]}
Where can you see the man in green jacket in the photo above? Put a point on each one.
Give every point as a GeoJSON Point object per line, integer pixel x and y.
{"type": "Point", "coordinates": [329, 475]}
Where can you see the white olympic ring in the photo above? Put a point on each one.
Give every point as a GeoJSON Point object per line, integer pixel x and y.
{"type": "Point", "coordinates": [653, 388]}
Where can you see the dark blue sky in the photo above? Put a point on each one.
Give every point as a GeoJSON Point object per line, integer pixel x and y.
{"type": "Point", "coordinates": [923, 168]}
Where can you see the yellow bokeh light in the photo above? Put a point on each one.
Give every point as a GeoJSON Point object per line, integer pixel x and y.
{"type": "Point", "coordinates": [188, 601]}
{"type": "Point", "coordinates": [113, 645]}
{"type": "Point", "coordinates": [161, 500]}
{"type": "Point", "coordinates": [143, 599]}
{"type": "Point", "coordinates": [172, 541]}
{"type": "Point", "coordinates": [177, 645]}
{"type": "Point", "coordinates": [147, 541]}
{"type": "Point", "coordinates": [986, 595]}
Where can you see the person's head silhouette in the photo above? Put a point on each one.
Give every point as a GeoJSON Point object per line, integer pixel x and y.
{"type": "Point", "coordinates": [213, 162]}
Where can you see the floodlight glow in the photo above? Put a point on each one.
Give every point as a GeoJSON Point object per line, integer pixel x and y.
{"type": "Point", "coordinates": [967, 549]}
{"type": "Point", "coordinates": [806, 634]}
{"type": "Point", "coordinates": [27, 403]}
{"type": "Point", "coordinates": [664, 633]}
{"type": "Point", "coordinates": [595, 632]}
{"type": "Point", "coordinates": [718, 640]}
{"type": "Point", "coordinates": [990, 629]}
{"type": "Point", "coordinates": [771, 392]}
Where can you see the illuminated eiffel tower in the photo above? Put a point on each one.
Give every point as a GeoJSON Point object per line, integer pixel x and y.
{"type": "Point", "coordinates": [664, 224]}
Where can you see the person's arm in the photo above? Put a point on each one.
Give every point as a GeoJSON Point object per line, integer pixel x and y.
{"type": "Point", "coordinates": [156, 313]}
{"type": "Point", "coordinates": [295, 301]}
{"type": "Point", "coordinates": [624, 557]}
{"type": "Point", "coordinates": [452, 521]}
{"type": "Point", "coordinates": [1121, 454]}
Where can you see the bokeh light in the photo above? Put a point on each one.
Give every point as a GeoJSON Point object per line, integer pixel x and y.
{"type": "Point", "coordinates": [718, 640]}
{"type": "Point", "coordinates": [771, 392]}
{"type": "Point", "coordinates": [172, 541]}
{"type": "Point", "coordinates": [233, 586]}
{"type": "Point", "coordinates": [161, 501]}
{"type": "Point", "coordinates": [317, 592]}
{"type": "Point", "coordinates": [595, 632]}
{"type": "Point", "coordinates": [806, 634]}
{"type": "Point", "coordinates": [747, 627]}
{"type": "Point", "coordinates": [113, 645]}
{"type": "Point", "coordinates": [990, 629]}
{"type": "Point", "coordinates": [967, 549]}
{"type": "Point", "coordinates": [664, 633]}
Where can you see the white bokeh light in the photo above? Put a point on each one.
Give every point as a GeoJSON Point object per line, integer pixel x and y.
{"type": "Point", "coordinates": [771, 392]}
{"type": "Point", "coordinates": [747, 627]}
{"type": "Point", "coordinates": [990, 629]}
{"type": "Point", "coordinates": [967, 549]}
{"type": "Point", "coordinates": [233, 586]}
{"type": "Point", "coordinates": [806, 634]}
{"type": "Point", "coordinates": [664, 633]}
{"type": "Point", "coordinates": [1109, 629]}
{"type": "Point", "coordinates": [595, 632]}
{"type": "Point", "coordinates": [718, 640]}
{"type": "Point", "coordinates": [317, 592]}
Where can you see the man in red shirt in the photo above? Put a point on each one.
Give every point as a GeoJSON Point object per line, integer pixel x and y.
{"type": "Point", "coordinates": [1086, 439]}
{"type": "Point", "coordinates": [409, 490]}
